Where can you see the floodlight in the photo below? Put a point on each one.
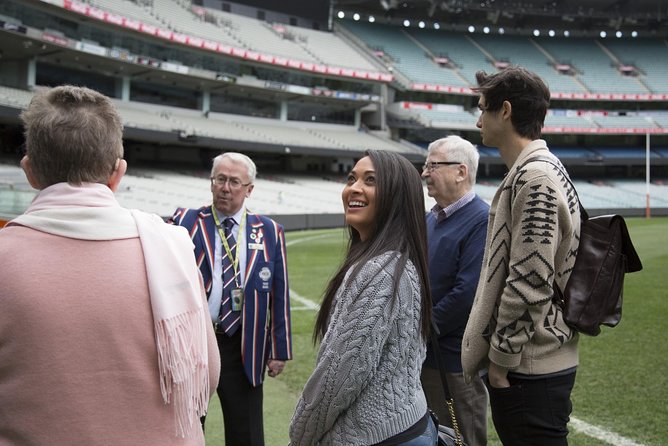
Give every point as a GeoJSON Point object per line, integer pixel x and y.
{"type": "Point", "coordinates": [486, 30]}
{"type": "Point", "coordinates": [567, 33]}
{"type": "Point", "coordinates": [437, 26]}
{"type": "Point", "coordinates": [603, 34]}
{"type": "Point", "coordinates": [618, 34]}
{"type": "Point", "coordinates": [536, 33]}
{"type": "Point", "coordinates": [634, 33]}
{"type": "Point", "coordinates": [551, 33]}
{"type": "Point", "coordinates": [407, 23]}
{"type": "Point", "coordinates": [372, 19]}
{"type": "Point", "coordinates": [502, 30]}
{"type": "Point", "coordinates": [471, 28]}
{"type": "Point", "coordinates": [341, 14]}
{"type": "Point", "coordinates": [421, 24]}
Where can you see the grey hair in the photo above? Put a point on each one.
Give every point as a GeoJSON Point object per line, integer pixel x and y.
{"type": "Point", "coordinates": [237, 158]}
{"type": "Point", "coordinates": [459, 149]}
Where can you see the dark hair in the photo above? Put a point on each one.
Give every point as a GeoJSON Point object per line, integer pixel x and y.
{"type": "Point", "coordinates": [73, 134]}
{"type": "Point", "coordinates": [526, 92]}
{"type": "Point", "coordinates": [400, 226]}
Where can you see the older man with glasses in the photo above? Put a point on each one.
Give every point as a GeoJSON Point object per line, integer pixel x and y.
{"type": "Point", "coordinates": [242, 258]}
{"type": "Point", "coordinates": [456, 230]}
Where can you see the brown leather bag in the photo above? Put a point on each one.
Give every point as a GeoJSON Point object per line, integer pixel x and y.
{"type": "Point", "coordinates": [593, 295]}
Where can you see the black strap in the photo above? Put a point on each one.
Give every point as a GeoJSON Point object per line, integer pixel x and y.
{"type": "Point", "coordinates": [583, 213]}
{"type": "Point", "coordinates": [439, 360]}
{"type": "Point", "coordinates": [449, 401]}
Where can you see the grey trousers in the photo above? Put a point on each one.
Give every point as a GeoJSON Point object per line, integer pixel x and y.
{"type": "Point", "coordinates": [470, 403]}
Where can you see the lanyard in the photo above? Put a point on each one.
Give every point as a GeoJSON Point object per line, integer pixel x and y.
{"type": "Point", "coordinates": [233, 259]}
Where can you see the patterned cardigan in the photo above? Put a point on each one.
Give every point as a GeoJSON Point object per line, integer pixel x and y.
{"type": "Point", "coordinates": [532, 240]}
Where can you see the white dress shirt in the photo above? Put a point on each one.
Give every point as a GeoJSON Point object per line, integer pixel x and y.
{"type": "Point", "coordinates": [215, 298]}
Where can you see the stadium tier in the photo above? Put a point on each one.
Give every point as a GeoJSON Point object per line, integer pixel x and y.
{"type": "Point", "coordinates": [162, 191]}
{"type": "Point", "coordinates": [191, 80]}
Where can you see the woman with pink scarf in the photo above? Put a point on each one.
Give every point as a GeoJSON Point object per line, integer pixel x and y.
{"type": "Point", "coordinates": [104, 336]}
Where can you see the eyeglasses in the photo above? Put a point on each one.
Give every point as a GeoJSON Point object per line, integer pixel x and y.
{"type": "Point", "coordinates": [233, 183]}
{"type": "Point", "coordinates": [433, 165]}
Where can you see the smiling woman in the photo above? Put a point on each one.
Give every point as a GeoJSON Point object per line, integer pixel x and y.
{"type": "Point", "coordinates": [359, 198]}
{"type": "Point", "coordinates": [374, 318]}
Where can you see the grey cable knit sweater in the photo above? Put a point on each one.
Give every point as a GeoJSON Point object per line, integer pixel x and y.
{"type": "Point", "coordinates": [366, 386]}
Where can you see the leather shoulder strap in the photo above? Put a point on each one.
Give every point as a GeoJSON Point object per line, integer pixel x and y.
{"type": "Point", "coordinates": [546, 159]}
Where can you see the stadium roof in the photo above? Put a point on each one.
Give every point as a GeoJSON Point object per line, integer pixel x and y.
{"type": "Point", "coordinates": [648, 17]}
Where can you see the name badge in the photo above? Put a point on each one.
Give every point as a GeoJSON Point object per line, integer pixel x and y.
{"type": "Point", "coordinates": [237, 298]}
{"type": "Point", "coordinates": [265, 276]}
{"type": "Point", "coordinates": [256, 246]}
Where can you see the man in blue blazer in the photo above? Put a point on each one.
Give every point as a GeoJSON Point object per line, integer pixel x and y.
{"type": "Point", "coordinates": [242, 259]}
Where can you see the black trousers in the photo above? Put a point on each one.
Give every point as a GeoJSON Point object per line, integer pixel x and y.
{"type": "Point", "coordinates": [241, 402]}
{"type": "Point", "coordinates": [532, 412]}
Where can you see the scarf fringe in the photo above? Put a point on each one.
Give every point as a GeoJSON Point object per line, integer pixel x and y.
{"type": "Point", "coordinates": [183, 367]}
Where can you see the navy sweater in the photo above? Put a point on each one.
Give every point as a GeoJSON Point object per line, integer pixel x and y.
{"type": "Point", "coordinates": [456, 248]}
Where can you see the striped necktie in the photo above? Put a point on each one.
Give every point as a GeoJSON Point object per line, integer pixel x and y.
{"type": "Point", "coordinates": [230, 320]}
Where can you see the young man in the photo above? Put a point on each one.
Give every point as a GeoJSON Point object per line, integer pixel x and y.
{"type": "Point", "coordinates": [456, 229]}
{"type": "Point", "coordinates": [242, 258]}
{"type": "Point", "coordinates": [515, 329]}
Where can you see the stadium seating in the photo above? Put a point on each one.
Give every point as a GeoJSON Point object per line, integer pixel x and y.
{"type": "Point", "coordinates": [14, 97]}
{"type": "Point", "coordinates": [650, 56]}
{"type": "Point", "coordinates": [561, 119]}
{"type": "Point", "coordinates": [595, 69]}
{"type": "Point", "coordinates": [299, 44]}
{"type": "Point", "coordinates": [330, 48]}
{"type": "Point", "coordinates": [406, 54]}
{"type": "Point", "coordinates": [458, 48]}
{"type": "Point", "coordinates": [522, 51]}
{"type": "Point", "coordinates": [572, 152]}
{"type": "Point", "coordinates": [127, 8]}
{"type": "Point", "coordinates": [162, 191]}
{"type": "Point", "coordinates": [624, 122]}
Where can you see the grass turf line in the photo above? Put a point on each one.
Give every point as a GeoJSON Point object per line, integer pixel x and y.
{"type": "Point", "coordinates": [621, 385]}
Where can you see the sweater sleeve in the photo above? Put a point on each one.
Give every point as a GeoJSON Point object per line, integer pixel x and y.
{"type": "Point", "coordinates": [349, 353]}
{"type": "Point", "coordinates": [538, 212]}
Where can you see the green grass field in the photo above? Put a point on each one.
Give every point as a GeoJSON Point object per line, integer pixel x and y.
{"type": "Point", "coordinates": [621, 386]}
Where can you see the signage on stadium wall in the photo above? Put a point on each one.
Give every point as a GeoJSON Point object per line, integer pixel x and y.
{"type": "Point", "coordinates": [174, 68]}
{"type": "Point", "coordinates": [13, 27]}
{"type": "Point", "coordinates": [52, 38]}
{"type": "Point", "coordinates": [166, 34]}
{"type": "Point", "coordinates": [550, 129]}
{"type": "Point", "coordinates": [606, 130]}
{"type": "Point", "coordinates": [441, 88]}
{"type": "Point", "coordinates": [91, 48]}
{"type": "Point", "coordinates": [646, 97]}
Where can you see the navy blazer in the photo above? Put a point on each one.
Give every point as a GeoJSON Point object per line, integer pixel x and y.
{"type": "Point", "coordinates": [266, 329]}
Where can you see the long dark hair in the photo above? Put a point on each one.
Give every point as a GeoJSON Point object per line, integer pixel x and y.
{"type": "Point", "coordinates": [399, 226]}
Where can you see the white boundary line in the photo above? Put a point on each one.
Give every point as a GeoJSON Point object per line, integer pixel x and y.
{"type": "Point", "coordinates": [581, 426]}
{"type": "Point", "coordinates": [306, 304]}
{"type": "Point", "coordinates": [601, 434]}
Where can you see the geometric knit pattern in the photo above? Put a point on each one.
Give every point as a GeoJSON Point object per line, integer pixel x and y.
{"type": "Point", "coordinates": [230, 320]}
{"type": "Point", "coordinates": [366, 385]}
{"type": "Point", "coordinates": [532, 240]}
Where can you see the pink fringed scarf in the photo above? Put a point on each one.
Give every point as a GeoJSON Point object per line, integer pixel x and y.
{"type": "Point", "coordinates": [90, 212]}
